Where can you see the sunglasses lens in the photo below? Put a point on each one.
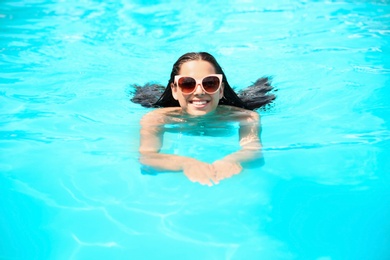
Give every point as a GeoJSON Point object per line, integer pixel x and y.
{"type": "Point", "coordinates": [187, 84]}
{"type": "Point", "coordinates": [211, 84]}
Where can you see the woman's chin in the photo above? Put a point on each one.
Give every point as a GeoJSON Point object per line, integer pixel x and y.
{"type": "Point", "coordinates": [198, 112]}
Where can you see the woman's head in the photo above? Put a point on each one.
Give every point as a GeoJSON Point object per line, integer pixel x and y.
{"type": "Point", "coordinates": [193, 56]}
{"type": "Point", "coordinates": [193, 62]}
{"type": "Point", "coordinates": [197, 87]}
{"type": "Point", "coordinates": [258, 95]}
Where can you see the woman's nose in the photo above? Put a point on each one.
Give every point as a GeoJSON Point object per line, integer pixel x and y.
{"type": "Point", "coordinates": [198, 89]}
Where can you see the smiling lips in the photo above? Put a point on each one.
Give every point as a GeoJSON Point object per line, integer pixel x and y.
{"type": "Point", "coordinates": [199, 103]}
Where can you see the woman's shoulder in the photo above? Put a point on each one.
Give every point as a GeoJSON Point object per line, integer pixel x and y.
{"type": "Point", "coordinates": [160, 115]}
{"type": "Point", "coordinates": [238, 112]}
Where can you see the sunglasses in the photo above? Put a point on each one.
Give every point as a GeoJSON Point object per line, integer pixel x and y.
{"type": "Point", "coordinates": [210, 84]}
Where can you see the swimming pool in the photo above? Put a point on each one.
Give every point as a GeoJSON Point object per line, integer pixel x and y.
{"type": "Point", "coordinates": [70, 182]}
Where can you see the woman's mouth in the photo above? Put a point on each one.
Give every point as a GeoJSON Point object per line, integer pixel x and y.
{"type": "Point", "coordinates": [199, 103]}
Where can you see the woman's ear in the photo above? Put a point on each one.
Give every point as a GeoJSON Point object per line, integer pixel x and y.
{"type": "Point", "coordinates": [221, 89]}
{"type": "Point", "coordinates": [174, 91]}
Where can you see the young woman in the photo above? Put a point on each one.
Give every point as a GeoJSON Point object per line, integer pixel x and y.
{"type": "Point", "coordinates": [198, 88]}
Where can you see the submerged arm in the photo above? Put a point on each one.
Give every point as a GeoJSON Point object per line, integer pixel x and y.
{"type": "Point", "coordinates": [250, 148]}
{"type": "Point", "coordinates": [249, 141]}
{"type": "Point", "coordinates": [151, 140]}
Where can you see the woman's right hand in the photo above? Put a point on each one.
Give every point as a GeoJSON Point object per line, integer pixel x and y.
{"type": "Point", "coordinates": [201, 172]}
{"type": "Point", "coordinates": [226, 169]}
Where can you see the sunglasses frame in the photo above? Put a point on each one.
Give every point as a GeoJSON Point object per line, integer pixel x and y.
{"type": "Point", "coordinates": [199, 82]}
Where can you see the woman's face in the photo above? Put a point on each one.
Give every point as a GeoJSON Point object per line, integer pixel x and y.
{"type": "Point", "coordinates": [199, 102]}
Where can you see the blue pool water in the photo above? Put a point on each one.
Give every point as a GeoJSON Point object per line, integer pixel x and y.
{"type": "Point", "coordinates": [70, 182]}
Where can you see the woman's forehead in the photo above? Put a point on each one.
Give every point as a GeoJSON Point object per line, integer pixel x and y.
{"type": "Point", "coordinates": [197, 68]}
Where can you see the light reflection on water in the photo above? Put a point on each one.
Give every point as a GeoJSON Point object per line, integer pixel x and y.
{"type": "Point", "coordinates": [71, 182]}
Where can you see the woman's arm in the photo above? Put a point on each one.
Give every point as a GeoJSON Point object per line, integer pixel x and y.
{"type": "Point", "coordinates": [250, 148]}
{"type": "Point", "coordinates": [249, 140]}
{"type": "Point", "coordinates": [151, 140]}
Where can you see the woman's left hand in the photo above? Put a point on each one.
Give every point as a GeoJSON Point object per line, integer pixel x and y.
{"type": "Point", "coordinates": [226, 169]}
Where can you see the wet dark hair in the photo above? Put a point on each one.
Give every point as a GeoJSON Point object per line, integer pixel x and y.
{"type": "Point", "coordinates": [253, 97]}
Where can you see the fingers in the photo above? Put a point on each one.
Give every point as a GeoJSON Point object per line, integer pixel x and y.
{"type": "Point", "coordinates": [226, 169]}
{"type": "Point", "coordinates": [202, 173]}
{"type": "Point", "coordinates": [211, 174]}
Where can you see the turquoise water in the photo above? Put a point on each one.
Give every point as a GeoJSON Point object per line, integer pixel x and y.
{"type": "Point", "coordinates": [70, 182]}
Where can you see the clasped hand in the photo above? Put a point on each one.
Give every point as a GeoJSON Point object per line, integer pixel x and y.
{"type": "Point", "coordinates": [209, 174]}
